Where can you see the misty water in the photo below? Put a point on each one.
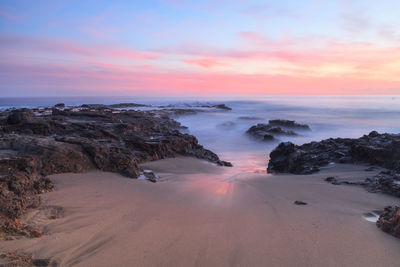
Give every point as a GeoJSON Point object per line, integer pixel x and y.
{"type": "Point", "coordinates": [224, 132]}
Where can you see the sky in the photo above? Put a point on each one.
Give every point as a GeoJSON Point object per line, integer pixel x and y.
{"type": "Point", "coordinates": [199, 48]}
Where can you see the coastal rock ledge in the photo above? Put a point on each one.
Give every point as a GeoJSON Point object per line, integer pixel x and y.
{"type": "Point", "coordinates": [376, 149]}
{"type": "Point", "coordinates": [35, 143]}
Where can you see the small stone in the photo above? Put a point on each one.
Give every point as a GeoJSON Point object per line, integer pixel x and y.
{"type": "Point", "coordinates": [36, 234]}
{"type": "Point", "coordinates": [330, 179]}
{"type": "Point", "coordinates": [298, 202]}
{"type": "Point", "coordinates": [41, 262]}
{"type": "Point", "coordinates": [370, 169]}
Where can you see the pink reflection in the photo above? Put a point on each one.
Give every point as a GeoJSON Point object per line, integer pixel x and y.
{"type": "Point", "coordinates": [211, 185]}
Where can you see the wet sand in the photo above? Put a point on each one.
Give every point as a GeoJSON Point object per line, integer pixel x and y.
{"type": "Point", "coordinates": [203, 215]}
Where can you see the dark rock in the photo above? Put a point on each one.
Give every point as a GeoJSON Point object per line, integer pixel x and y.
{"type": "Point", "coordinates": [249, 118]}
{"type": "Point", "coordinates": [280, 131]}
{"type": "Point", "coordinates": [378, 149]}
{"type": "Point", "coordinates": [285, 158]}
{"type": "Point", "coordinates": [389, 221]}
{"type": "Point", "coordinates": [382, 150]}
{"type": "Point", "coordinates": [59, 105]}
{"type": "Point", "coordinates": [76, 140]}
{"type": "Point", "coordinates": [275, 129]}
{"type": "Point", "coordinates": [41, 262]}
{"type": "Point", "coordinates": [268, 137]}
{"type": "Point", "coordinates": [222, 106]}
{"type": "Point", "coordinates": [370, 169]}
{"type": "Point", "coordinates": [126, 105]}
{"type": "Point", "coordinates": [384, 183]}
{"type": "Point", "coordinates": [289, 124]}
{"type": "Point", "coordinates": [20, 116]}
{"type": "Point", "coordinates": [330, 179]}
{"type": "Point", "coordinates": [36, 234]}
{"type": "Point", "coordinates": [150, 175]}
{"type": "Point", "coordinates": [298, 202]}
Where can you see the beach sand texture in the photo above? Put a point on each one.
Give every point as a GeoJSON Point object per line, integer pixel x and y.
{"type": "Point", "coordinates": [199, 215]}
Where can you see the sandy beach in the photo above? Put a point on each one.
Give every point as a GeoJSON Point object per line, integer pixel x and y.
{"type": "Point", "coordinates": [199, 214]}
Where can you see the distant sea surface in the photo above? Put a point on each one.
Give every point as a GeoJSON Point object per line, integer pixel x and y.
{"type": "Point", "coordinates": [224, 131]}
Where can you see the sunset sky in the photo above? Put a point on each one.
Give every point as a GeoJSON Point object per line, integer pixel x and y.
{"type": "Point", "coordinates": [190, 48]}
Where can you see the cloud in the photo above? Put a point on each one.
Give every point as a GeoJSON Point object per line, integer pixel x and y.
{"type": "Point", "coordinates": [207, 63]}
{"type": "Point", "coordinates": [71, 47]}
{"type": "Point", "coordinates": [109, 81]}
{"type": "Point", "coordinates": [285, 65]}
{"type": "Point", "coordinates": [10, 16]}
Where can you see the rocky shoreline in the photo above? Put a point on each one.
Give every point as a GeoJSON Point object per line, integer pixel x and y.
{"type": "Point", "coordinates": [376, 149]}
{"type": "Point", "coordinates": [38, 142]}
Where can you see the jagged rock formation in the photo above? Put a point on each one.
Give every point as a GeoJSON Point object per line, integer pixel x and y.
{"type": "Point", "coordinates": [77, 139]}
{"type": "Point", "coordinates": [288, 124]}
{"type": "Point", "coordinates": [376, 149]}
{"type": "Point", "coordinates": [268, 132]}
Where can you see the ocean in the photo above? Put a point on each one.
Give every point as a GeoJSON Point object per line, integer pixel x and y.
{"type": "Point", "coordinates": [224, 131]}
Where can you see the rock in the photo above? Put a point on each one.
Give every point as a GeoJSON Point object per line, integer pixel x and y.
{"type": "Point", "coordinates": [280, 131]}
{"type": "Point", "coordinates": [370, 169]}
{"type": "Point", "coordinates": [378, 149]}
{"type": "Point", "coordinates": [298, 202]}
{"type": "Point", "coordinates": [20, 116]}
{"type": "Point", "coordinates": [259, 131]}
{"type": "Point", "coordinates": [330, 179]}
{"type": "Point", "coordinates": [389, 221]}
{"type": "Point", "coordinates": [382, 150]}
{"type": "Point", "coordinates": [126, 105]}
{"type": "Point", "coordinates": [36, 234]}
{"type": "Point", "coordinates": [151, 176]}
{"type": "Point", "coordinates": [268, 137]}
{"type": "Point", "coordinates": [249, 118]}
{"type": "Point", "coordinates": [59, 105]}
{"type": "Point", "coordinates": [41, 262]}
{"type": "Point", "coordinates": [78, 139]}
{"type": "Point", "coordinates": [289, 124]}
{"type": "Point", "coordinates": [384, 183]}
{"type": "Point", "coordinates": [274, 128]}
{"type": "Point", "coordinates": [285, 158]}
{"type": "Point", "coordinates": [222, 106]}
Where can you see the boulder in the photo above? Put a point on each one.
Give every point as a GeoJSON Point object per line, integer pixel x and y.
{"type": "Point", "coordinates": [389, 221]}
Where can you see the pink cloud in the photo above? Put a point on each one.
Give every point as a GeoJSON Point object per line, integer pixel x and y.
{"type": "Point", "coordinates": [204, 62]}
{"type": "Point", "coordinates": [59, 46]}
{"type": "Point", "coordinates": [331, 68]}
{"type": "Point", "coordinates": [110, 81]}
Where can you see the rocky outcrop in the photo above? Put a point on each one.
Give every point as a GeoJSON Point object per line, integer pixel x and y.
{"type": "Point", "coordinates": [288, 158]}
{"type": "Point", "coordinates": [126, 105]}
{"type": "Point", "coordinates": [377, 149]}
{"type": "Point", "coordinates": [289, 124]}
{"type": "Point", "coordinates": [274, 128]}
{"type": "Point", "coordinates": [384, 182]}
{"type": "Point", "coordinates": [77, 139]}
{"type": "Point", "coordinates": [389, 221]}
{"type": "Point", "coordinates": [16, 258]}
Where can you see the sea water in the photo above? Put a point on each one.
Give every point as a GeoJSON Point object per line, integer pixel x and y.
{"type": "Point", "coordinates": [224, 132]}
